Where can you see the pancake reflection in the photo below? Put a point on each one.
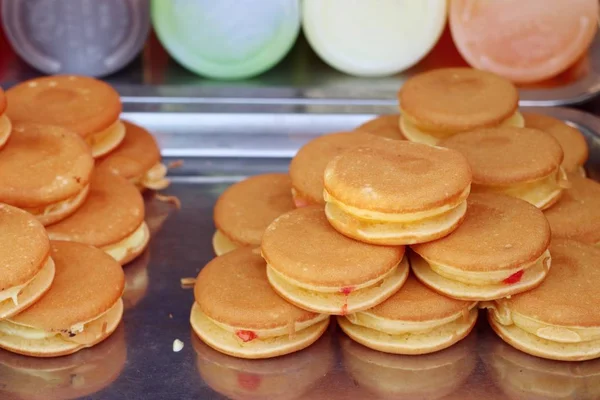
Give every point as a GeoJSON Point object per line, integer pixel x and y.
{"type": "Point", "coordinates": [156, 212]}
{"type": "Point", "coordinates": [77, 375]}
{"type": "Point", "coordinates": [522, 376]}
{"type": "Point", "coordinates": [136, 280]}
{"type": "Point", "coordinates": [391, 376]}
{"type": "Point", "coordinates": [281, 378]}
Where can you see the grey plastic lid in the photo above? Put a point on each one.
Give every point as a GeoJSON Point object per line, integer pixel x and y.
{"type": "Point", "coordinates": [88, 37]}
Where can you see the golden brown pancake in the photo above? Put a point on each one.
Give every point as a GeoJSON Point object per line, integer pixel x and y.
{"type": "Point", "coordinates": [500, 249]}
{"type": "Point", "coordinates": [82, 308]}
{"type": "Point", "coordinates": [557, 320]}
{"type": "Point", "coordinates": [5, 124]}
{"type": "Point", "coordinates": [81, 104]}
{"type": "Point", "coordinates": [287, 377]}
{"type": "Point", "coordinates": [58, 167]}
{"type": "Point", "coordinates": [415, 320]}
{"type": "Point", "coordinates": [524, 377]}
{"type": "Point", "coordinates": [384, 125]}
{"type": "Point", "coordinates": [237, 313]}
{"type": "Point", "coordinates": [390, 376]}
{"type": "Point", "coordinates": [112, 219]}
{"type": "Point", "coordinates": [68, 377]}
{"type": "Point", "coordinates": [396, 192]}
{"type": "Point", "coordinates": [520, 162]}
{"type": "Point", "coordinates": [137, 159]}
{"type": "Point", "coordinates": [308, 166]}
{"type": "Point", "coordinates": [26, 268]}
{"type": "Point", "coordinates": [571, 140]}
{"type": "Point", "coordinates": [245, 209]}
{"type": "Point", "coordinates": [315, 267]}
{"type": "Point", "coordinates": [442, 102]}
{"type": "Point", "coordinates": [577, 214]}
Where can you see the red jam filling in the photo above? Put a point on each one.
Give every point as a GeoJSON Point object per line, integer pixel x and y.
{"type": "Point", "coordinates": [246, 336]}
{"type": "Point", "coordinates": [344, 309]}
{"type": "Point", "coordinates": [299, 202]}
{"type": "Point", "coordinates": [249, 382]}
{"type": "Point", "coordinates": [514, 278]}
{"type": "Point", "coordinates": [347, 290]}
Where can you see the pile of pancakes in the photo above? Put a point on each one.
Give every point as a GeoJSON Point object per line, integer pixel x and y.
{"type": "Point", "coordinates": [406, 227]}
{"type": "Point", "coordinates": [71, 211]}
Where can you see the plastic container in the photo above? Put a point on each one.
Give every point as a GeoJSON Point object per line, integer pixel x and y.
{"type": "Point", "coordinates": [375, 37]}
{"type": "Point", "coordinates": [87, 37]}
{"type": "Point", "coordinates": [227, 39]}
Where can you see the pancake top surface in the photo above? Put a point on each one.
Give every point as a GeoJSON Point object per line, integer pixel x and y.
{"type": "Point", "coordinates": [569, 295]}
{"type": "Point", "coordinates": [81, 104]}
{"type": "Point", "coordinates": [385, 125]}
{"type": "Point", "coordinates": [457, 99]}
{"type": "Point", "coordinates": [308, 166]}
{"type": "Point", "coordinates": [572, 141]}
{"type": "Point", "coordinates": [136, 154]}
{"type": "Point", "coordinates": [303, 246]}
{"type": "Point", "coordinates": [87, 283]}
{"type": "Point", "coordinates": [246, 208]}
{"type": "Point", "coordinates": [416, 302]}
{"type": "Point", "coordinates": [58, 165]}
{"type": "Point", "coordinates": [24, 246]}
{"type": "Point", "coordinates": [499, 232]}
{"type": "Point", "coordinates": [233, 289]}
{"type": "Point", "coordinates": [507, 155]}
{"type": "Point", "coordinates": [397, 176]}
{"type": "Point", "coordinates": [113, 210]}
{"type": "Point", "coordinates": [577, 214]}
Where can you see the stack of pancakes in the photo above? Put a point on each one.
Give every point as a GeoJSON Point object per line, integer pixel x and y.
{"type": "Point", "coordinates": [405, 228]}
{"type": "Point", "coordinates": [71, 210]}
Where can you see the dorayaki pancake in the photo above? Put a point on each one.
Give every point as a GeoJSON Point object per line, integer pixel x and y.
{"type": "Point", "coordinates": [5, 124]}
{"type": "Point", "coordinates": [391, 376]}
{"type": "Point", "coordinates": [385, 125]}
{"type": "Point", "coordinates": [577, 214]}
{"type": "Point", "coordinates": [397, 192]}
{"type": "Point", "coordinates": [136, 280]}
{"type": "Point", "coordinates": [308, 166]}
{"type": "Point", "coordinates": [500, 249]}
{"type": "Point", "coordinates": [81, 104]}
{"type": "Point", "coordinates": [69, 377]}
{"type": "Point", "coordinates": [443, 102]}
{"type": "Point", "coordinates": [245, 209]}
{"type": "Point", "coordinates": [137, 159]}
{"type": "Point", "coordinates": [287, 377]}
{"type": "Point", "coordinates": [82, 308]}
{"type": "Point", "coordinates": [520, 162]}
{"type": "Point", "coordinates": [237, 313]}
{"type": "Point", "coordinates": [415, 320]}
{"type": "Point", "coordinates": [26, 268]}
{"type": "Point", "coordinates": [559, 319]}
{"type": "Point", "coordinates": [524, 377]}
{"type": "Point", "coordinates": [112, 219]}
{"type": "Point", "coordinates": [45, 170]}
{"type": "Point", "coordinates": [315, 267]}
{"type": "Point", "coordinates": [572, 141]}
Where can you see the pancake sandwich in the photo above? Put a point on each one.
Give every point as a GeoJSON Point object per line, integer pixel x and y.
{"type": "Point", "coordinates": [384, 125]}
{"type": "Point", "coordinates": [237, 313]}
{"type": "Point", "coordinates": [82, 308]}
{"type": "Point", "coordinates": [500, 249]}
{"type": "Point", "coordinates": [315, 267]}
{"type": "Point", "coordinates": [443, 102]}
{"type": "Point", "coordinates": [5, 124]}
{"type": "Point", "coordinates": [397, 192]}
{"type": "Point", "coordinates": [245, 209]}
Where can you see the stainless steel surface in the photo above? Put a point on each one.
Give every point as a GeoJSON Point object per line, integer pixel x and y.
{"type": "Point", "coordinates": [302, 78]}
{"type": "Point", "coordinates": [90, 37]}
{"type": "Point", "coordinates": [221, 144]}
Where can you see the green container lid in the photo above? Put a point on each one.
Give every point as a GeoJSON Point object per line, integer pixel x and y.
{"type": "Point", "coordinates": [227, 39]}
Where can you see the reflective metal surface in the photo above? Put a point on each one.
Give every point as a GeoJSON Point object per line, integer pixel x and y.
{"type": "Point", "coordinates": [303, 78]}
{"type": "Point", "coordinates": [138, 362]}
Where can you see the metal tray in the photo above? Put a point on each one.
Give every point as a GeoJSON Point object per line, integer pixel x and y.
{"type": "Point", "coordinates": [221, 144]}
